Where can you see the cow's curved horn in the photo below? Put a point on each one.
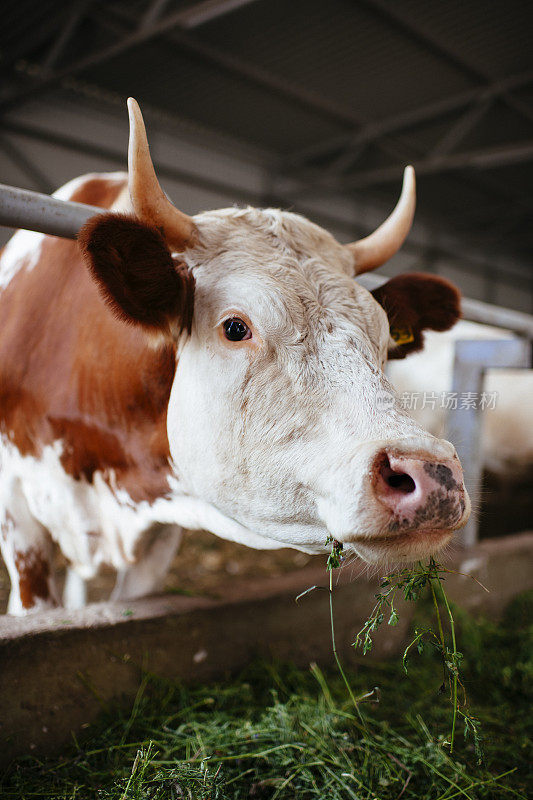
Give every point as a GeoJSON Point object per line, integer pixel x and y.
{"type": "Point", "coordinates": [148, 199]}
{"type": "Point", "coordinates": [372, 251]}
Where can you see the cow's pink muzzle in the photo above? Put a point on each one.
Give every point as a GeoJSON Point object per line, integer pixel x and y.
{"type": "Point", "coordinates": [420, 493]}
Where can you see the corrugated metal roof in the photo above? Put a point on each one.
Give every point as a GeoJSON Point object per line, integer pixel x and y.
{"type": "Point", "coordinates": [493, 38]}
{"type": "Point", "coordinates": [340, 49]}
{"type": "Point", "coordinates": [303, 78]}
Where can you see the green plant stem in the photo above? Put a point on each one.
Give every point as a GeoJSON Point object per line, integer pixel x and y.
{"type": "Point", "coordinates": [337, 659]}
{"type": "Point", "coordinates": [439, 623]}
{"type": "Point", "coordinates": [452, 628]}
{"type": "Point", "coordinates": [441, 634]}
{"type": "Point", "coordinates": [441, 631]}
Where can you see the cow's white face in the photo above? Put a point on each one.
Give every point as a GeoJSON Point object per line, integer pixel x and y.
{"type": "Point", "coordinates": [293, 431]}
{"type": "Point", "coordinates": [290, 433]}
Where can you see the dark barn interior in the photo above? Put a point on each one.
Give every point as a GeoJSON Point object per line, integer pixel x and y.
{"type": "Point", "coordinates": [304, 104]}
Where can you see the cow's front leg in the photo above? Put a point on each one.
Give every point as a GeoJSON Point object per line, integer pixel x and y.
{"type": "Point", "coordinates": [75, 590]}
{"type": "Point", "coordinates": [155, 552]}
{"type": "Point", "coordinates": [28, 554]}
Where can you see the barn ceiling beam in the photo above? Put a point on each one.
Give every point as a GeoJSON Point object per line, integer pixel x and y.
{"type": "Point", "coordinates": [461, 128]}
{"type": "Point", "coordinates": [153, 12]}
{"type": "Point", "coordinates": [453, 136]}
{"type": "Point", "coordinates": [482, 96]}
{"type": "Point", "coordinates": [36, 36]}
{"type": "Point", "coordinates": [250, 73]}
{"type": "Point", "coordinates": [77, 12]}
{"type": "Point", "coordinates": [485, 158]}
{"type": "Point", "coordinates": [116, 158]}
{"type": "Point", "coordinates": [144, 33]}
{"type": "Point", "coordinates": [374, 131]}
{"type": "Point", "coordinates": [38, 179]}
{"type": "Point", "coordinates": [390, 12]}
{"type": "Point", "coordinates": [208, 10]}
{"type": "Point", "coordinates": [266, 80]}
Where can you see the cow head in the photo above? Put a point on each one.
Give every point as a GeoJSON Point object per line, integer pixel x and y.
{"type": "Point", "coordinates": [280, 415]}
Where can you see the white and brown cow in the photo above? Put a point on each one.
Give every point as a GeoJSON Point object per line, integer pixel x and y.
{"type": "Point", "coordinates": [219, 372]}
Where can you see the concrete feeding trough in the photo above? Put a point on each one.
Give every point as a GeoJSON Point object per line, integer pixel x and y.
{"type": "Point", "coordinates": [59, 668]}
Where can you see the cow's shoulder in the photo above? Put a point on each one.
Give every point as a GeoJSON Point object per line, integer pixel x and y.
{"type": "Point", "coordinates": [101, 189]}
{"type": "Point", "coordinates": [71, 373]}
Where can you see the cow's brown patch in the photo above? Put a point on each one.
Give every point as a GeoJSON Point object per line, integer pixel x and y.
{"type": "Point", "coordinates": [98, 192]}
{"type": "Point", "coordinates": [442, 475]}
{"type": "Point", "coordinates": [86, 447]}
{"type": "Point", "coordinates": [415, 302]}
{"type": "Point", "coordinates": [440, 511]}
{"type": "Point", "coordinates": [34, 573]}
{"type": "Point", "coordinates": [70, 370]}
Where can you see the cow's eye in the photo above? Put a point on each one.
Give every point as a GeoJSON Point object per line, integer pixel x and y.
{"type": "Point", "coordinates": [236, 330]}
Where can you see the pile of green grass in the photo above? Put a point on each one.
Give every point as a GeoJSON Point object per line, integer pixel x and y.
{"type": "Point", "coordinates": [280, 732]}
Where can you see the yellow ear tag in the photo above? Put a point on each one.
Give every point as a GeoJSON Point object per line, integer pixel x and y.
{"type": "Point", "coordinates": [402, 335]}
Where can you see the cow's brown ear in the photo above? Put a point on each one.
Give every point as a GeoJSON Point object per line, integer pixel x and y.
{"type": "Point", "coordinates": [136, 273]}
{"type": "Point", "coordinates": [415, 302]}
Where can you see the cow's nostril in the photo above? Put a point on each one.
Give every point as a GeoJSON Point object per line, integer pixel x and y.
{"type": "Point", "coordinates": [396, 479]}
{"type": "Point", "coordinates": [419, 492]}
{"type": "Point", "coordinates": [400, 481]}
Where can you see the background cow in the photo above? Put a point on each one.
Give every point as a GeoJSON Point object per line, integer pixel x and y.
{"type": "Point", "coordinates": [506, 442]}
{"type": "Point", "coordinates": [216, 372]}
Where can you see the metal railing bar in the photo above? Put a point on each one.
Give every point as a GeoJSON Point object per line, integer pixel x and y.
{"type": "Point", "coordinates": [21, 208]}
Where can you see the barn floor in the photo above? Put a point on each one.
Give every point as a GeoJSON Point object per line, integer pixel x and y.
{"type": "Point", "coordinates": [279, 732]}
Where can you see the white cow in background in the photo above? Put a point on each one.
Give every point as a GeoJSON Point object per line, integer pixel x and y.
{"type": "Point", "coordinates": [507, 438]}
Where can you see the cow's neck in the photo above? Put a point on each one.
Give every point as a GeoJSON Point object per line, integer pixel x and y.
{"type": "Point", "coordinates": [72, 374]}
